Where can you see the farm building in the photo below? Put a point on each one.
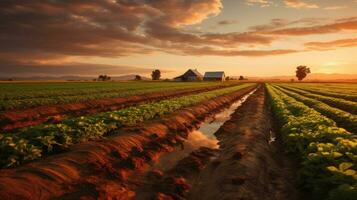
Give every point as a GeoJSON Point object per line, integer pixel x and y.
{"type": "Point", "coordinates": [190, 75]}
{"type": "Point", "coordinates": [214, 76]}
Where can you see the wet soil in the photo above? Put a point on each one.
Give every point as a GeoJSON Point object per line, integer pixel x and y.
{"type": "Point", "coordinates": [249, 163]}
{"type": "Point", "coordinates": [106, 169]}
{"type": "Point", "coordinates": [10, 120]}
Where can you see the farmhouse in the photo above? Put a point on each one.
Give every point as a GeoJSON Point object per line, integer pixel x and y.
{"type": "Point", "coordinates": [190, 75]}
{"type": "Point", "coordinates": [214, 76]}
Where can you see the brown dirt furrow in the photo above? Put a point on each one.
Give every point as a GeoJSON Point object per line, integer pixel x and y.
{"type": "Point", "coordinates": [100, 169]}
{"type": "Point", "coordinates": [176, 182]}
{"type": "Point", "coordinates": [248, 166]}
{"type": "Point", "coordinates": [10, 120]}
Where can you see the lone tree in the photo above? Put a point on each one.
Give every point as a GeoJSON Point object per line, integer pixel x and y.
{"type": "Point", "coordinates": [302, 71]}
{"type": "Point", "coordinates": [156, 74]}
{"type": "Point", "coordinates": [137, 78]}
{"type": "Point", "coordinates": [103, 78]}
{"type": "Point", "coordinates": [241, 78]}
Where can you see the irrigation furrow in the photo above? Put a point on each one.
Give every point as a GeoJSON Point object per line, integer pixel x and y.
{"type": "Point", "coordinates": [247, 165]}
{"type": "Point", "coordinates": [250, 164]}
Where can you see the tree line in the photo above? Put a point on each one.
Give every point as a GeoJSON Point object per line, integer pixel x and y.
{"type": "Point", "coordinates": [301, 73]}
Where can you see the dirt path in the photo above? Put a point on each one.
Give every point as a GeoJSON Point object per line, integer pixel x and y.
{"type": "Point", "coordinates": [249, 164]}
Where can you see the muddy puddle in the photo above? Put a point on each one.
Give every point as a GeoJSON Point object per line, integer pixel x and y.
{"type": "Point", "coordinates": [204, 136]}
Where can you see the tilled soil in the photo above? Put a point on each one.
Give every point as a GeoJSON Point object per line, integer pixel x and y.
{"type": "Point", "coordinates": [10, 120]}
{"type": "Point", "coordinates": [107, 169]}
{"type": "Point", "coordinates": [248, 165]}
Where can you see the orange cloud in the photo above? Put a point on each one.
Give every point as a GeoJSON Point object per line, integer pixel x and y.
{"type": "Point", "coordinates": [178, 12]}
{"type": "Point", "coordinates": [299, 4]}
{"type": "Point", "coordinates": [261, 3]}
{"type": "Point", "coordinates": [335, 7]}
{"type": "Point", "coordinates": [350, 42]}
{"type": "Point", "coordinates": [348, 25]}
{"type": "Point", "coordinates": [250, 53]}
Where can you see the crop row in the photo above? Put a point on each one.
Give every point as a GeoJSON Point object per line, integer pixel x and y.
{"type": "Point", "coordinates": [33, 142]}
{"type": "Point", "coordinates": [330, 93]}
{"type": "Point", "coordinates": [337, 87]}
{"type": "Point", "coordinates": [342, 104]}
{"type": "Point", "coordinates": [328, 154]}
{"type": "Point", "coordinates": [342, 118]}
{"type": "Point", "coordinates": [18, 96]}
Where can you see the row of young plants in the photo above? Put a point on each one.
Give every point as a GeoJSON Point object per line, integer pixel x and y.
{"type": "Point", "coordinates": [328, 154]}
{"type": "Point", "coordinates": [342, 118]}
{"type": "Point", "coordinates": [19, 96]}
{"type": "Point", "coordinates": [342, 104]}
{"type": "Point", "coordinates": [328, 92]}
{"type": "Point", "coordinates": [34, 142]}
{"type": "Point", "coordinates": [339, 87]}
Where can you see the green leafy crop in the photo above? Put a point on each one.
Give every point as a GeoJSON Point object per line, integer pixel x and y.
{"type": "Point", "coordinates": [33, 142]}
{"type": "Point", "coordinates": [327, 152]}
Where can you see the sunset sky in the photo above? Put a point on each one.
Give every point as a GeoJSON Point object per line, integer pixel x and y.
{"type": "Point", "coordinates": [241, 37]}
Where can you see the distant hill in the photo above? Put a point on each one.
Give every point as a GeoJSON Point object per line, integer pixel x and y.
{"type": "Point", "coordinates": [311, 77]}
{"type": "Point", "coordinates": [71, 78]}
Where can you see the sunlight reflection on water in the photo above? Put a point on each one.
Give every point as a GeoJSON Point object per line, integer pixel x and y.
{"type": "Point", "coordinates": [202, 137]}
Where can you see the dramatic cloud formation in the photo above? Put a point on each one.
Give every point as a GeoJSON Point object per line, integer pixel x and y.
{"type": "Point", "coordinates": [109, 28]}
{"type": "Point", "coordinates": [50, 32]}
{"type": "Point", "coordinates": [81, 26]}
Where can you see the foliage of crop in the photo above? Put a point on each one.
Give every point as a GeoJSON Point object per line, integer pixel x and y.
{"type": "Point", "coordinates": [328, 153]}
{"type": "Point", "coordinates": [34, 142]}
{"type": "Point", "coordinates": [24, 95]}
{"type": "Point", "coordinates": [345, 105]}
{"type": "Point", "coordinates": [338, 93]}
{"type": "Point", "coordinates": [343, 119]}
{"type": "Point", "coordinates": [344, 88]}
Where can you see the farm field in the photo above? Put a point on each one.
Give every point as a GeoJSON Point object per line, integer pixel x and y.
{"type": "Point", "coordinates": [172, 140]}
{"type": "Point", "coordinates": [25, 95]}
{"type": "Point", "coordinates": [57, 101]}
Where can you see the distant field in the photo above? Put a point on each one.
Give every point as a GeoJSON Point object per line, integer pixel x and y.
{"type": "Point", "coordinates": [24, 95]}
